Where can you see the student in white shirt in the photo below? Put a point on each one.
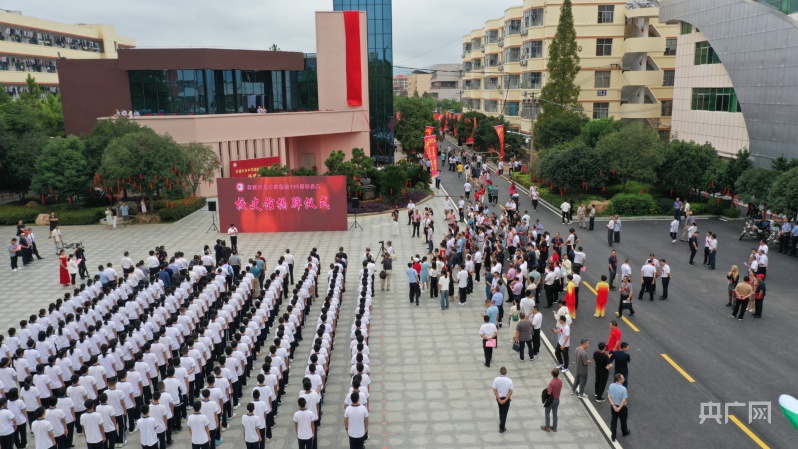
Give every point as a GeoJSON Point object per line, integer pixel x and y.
{"type": "Point", "coordinates": [147, 426]}
{"type": "Point", "coordinates": [8, 425]}
{"type": "Point", "coordinates": [250, 423]}
{"type": "Point", "coordinates": [303, 425]}
{"type": "Point", "coordinates": [42, 431]}
{"type": "Point", "coordinates": [356, 421]}
{"type": "Point", "coordinates": [198, 425]}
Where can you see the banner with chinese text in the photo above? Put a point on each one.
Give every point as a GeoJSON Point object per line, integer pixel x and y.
{"type": "Point", "coordinates": [500, 132]}
{"type": "Point", "coordinates": [248, 168]}
{"type": "Point", "coordinates": [429, 130]}
{"type": "Point", "coordinates": [283, 204]}
{"type": "Point", "coordinates": [431, 152]}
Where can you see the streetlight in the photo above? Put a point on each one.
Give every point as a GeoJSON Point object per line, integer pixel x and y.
{"type": "Point", "coordinates": [531, 102]}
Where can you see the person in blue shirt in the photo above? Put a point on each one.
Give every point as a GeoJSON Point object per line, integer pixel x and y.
{"type": "Point", "coordinates": [794, 240]}
{"type": "Point", "coordinates": [412, 278]}
{"type": "Point", "coordinates": [784, 238]}
{"type": "Point", "coordinates": [102, 275]}
{"type": "Point", "coordinates": [164, 276]}
{"type": "Point", "coordinates": [618, 397]}
{"type": "Point", "coordinates": [492, 312]}
{"type": "Point", "coordinates": [498, 300]}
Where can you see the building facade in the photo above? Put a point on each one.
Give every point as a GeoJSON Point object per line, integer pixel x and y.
{"type": "Point", "coordinates": [419, 82]}
{"type": "Point", "coordinates": [446, 82]}
{"type": "Point", "coordinates": [203, 95]}
{"type": "Point", "coordinates": [400, 85]}
{"type": "Point", "coordinates": [380, 72]}
{"type": "Point", "coordinates": [627, 59]}
{"type": "Point", "coordinates": [735, 81]}
{"type": "Point", "coordinates": [35, 47]}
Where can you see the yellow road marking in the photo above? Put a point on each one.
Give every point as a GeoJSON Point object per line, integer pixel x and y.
{"type": "Point", "coordinates": [678, 368]}
{"type": "Point", "coordinates": [748, 432]}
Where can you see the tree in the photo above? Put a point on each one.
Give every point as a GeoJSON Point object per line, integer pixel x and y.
{"type": "Point", "coordinates": [46, 106]}
{"type": "Point", "coordinates": [594, 130]}
{"type": "Point", "coordinates": [634, 152]}
{"type": "Point", "coordinates": [685, 166]}
{"type": "Point", "coordinates": [273, 171]}
{"type": "Point", "coordinates": [560, 92]}
{"type": "Point", "coordinates": [450, 105]}
{"type": "Point", "coordinates": [556, 129]}
{"type": "Point", "coordinates": [202, 164]}
{"type": "Point", "coordinates": [62, 169]}
{"type": "Point", "coordinates": [783, 194]}
{"type": "Point", "coordinates": [782, 164]}
{"type": "Point", "coordinates": [103, 133]}
{"type": "Point", "coordinates": [143, 161]}
{"type": "Point", "coordinates": [753, 185]}
{"type": "Point", "coordinates": [734, 169]}
{"type": "Point", "coordinates": [274, 47]}
{"type": "Point", "coordinates": [415, 115]}
{"type": "Point", "coordinates": [572, 164]}
{"type": "Point", "coordinates": [392, 183]}
{"type": "Point", "coordinates": [353, 169]}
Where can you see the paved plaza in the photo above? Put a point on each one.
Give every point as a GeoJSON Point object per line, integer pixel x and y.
{"type": "Point", "coordinates": [429, 385]}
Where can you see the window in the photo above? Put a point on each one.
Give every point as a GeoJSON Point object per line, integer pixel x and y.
{"type": "Point", "coordinates": [531, 110]}
{"type": "Point", "coordinates": [785, 6]}
{"type": "Point", "coordinates": [467, 48]}
{"type": "Point", "coordinates": [533, 17]}
{"type": "Point", "coordinates": [492, 83]}
{"type": "Point", "coordinates": [491, 60]}
{"type": "Point", "coordinates": [532, 49]}
{"type": "Point", "coordinates": [667, 108]}
{"type": "Point", "coordinates": [604, 47]}
{"type": "Point", "coordinates": [491, 106]}
{"type": "Point", "coordinates": [719, 99]}
{"type": "Point", "coordinates": [606, 13]}
{"type": "Point", "coordinates": [492, 37]}
{"type": "Point", "coordinates": [511, 108]}
{"type": "Point", "coordinates": [512, 81]}
{"type": "Point", "coordinates": [670, 47]}
{"type": "Point", "coordinates": [512, 54]}
{"type": "Point", "coordinates": [476, 43]}
{"type": "Point", "coordinates": [668, 77]}
{"type": "Point", "coordinates": [601, 110]}
{"type": "Point", "coordinates": [531, 80]}
{"type": "Point", "coordinates": [602, 78]}
{"type": "Point", "coordinates": [512, 27]}
{"type": "Point", "coordinates": [686, 28]}
{"type": "Point", "coordinates": [705, 54]}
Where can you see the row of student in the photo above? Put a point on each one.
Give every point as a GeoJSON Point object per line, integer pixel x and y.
{"type": "Point", "coordinates": [202, 318]}
{"type": "Point", "coordinates": [356, 402]}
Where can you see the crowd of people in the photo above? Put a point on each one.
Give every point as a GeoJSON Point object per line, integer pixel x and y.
{"type": "Point", "coordinates": [172, 341]}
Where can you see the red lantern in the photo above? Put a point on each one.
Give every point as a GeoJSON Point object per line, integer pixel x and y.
{"type": "Point", "coordinates": [43, 203]}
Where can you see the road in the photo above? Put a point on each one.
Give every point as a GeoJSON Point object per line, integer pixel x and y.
{"type": "Point", "coordinates": [716, 359]}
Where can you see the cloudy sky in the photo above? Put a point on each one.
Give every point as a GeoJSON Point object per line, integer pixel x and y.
{"type": "Point", "coordinates": [425, 31]}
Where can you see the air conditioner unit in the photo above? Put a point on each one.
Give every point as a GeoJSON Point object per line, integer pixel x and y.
{"type": "Point", "coordinates": [501, 43]}
{"type": "Point", "coordinates": [483, 49]}
{"type": "Point", "coordinates": [501, 91]}
{"type": "Point", "coordinates": [523, 62]}
{"type": "Point", "coordinates": [524, 32]}
{"type": "Point", "coordinates": [462, 56]}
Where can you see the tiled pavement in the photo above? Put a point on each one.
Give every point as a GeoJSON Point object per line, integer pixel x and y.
{"type": "Point", "coordinates": [429, 385]}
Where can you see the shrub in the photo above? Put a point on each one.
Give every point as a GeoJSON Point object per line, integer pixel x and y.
{"type": "Point", "coordinates": [631, 187]}
{"type": "Point", "coordinates": [715, 207]}
{"type": "Point", "coordinates": [698, 208]}
{"type": "Point", "coordinates": [633, 204]}
{"type": "Point", "coordinates": [81, 216]}
{"type": "Point", "coordinates": [732, 212]}
{"type": "Point", "coordinates": [522, 179]}
{"type": "Point", "coordinates": [178, 210]}
{"type": "Point", "coordinates": [665, 206]}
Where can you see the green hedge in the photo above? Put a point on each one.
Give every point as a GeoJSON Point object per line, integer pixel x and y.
{"type": "Point", "coordinates": [179, 210]}
{"type": "Point", "coordinates": [11, 213]}
{"type": "Point", "coordinates": [630, 204]}
{"type": "Point", "coordinates": [522, 179]}
{"type": "Point", "coordinates": [665, 206]}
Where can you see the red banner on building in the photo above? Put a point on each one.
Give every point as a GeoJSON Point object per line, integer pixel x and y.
{"type": "Point", "coordinates": [283, 204]}
{"type": "Point", "coordinates": [500, 131]}
{"type": "Point", "coordinates": [354, 72]}
{"type": "Point", "coordinates": [248, 168]}
{"type": "Point", "coordinates": [438, 117]}
{"type": "Point", "coordinates": [429, 130]}
{"type": "Point", "coordinates": [431, 152]}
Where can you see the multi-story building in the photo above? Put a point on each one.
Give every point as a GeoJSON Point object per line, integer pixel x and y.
{"type": "Point", "coordinates": [446, 81]}
{"type": "Point", "coordinates": [627, 61]}
{"type": "Point", "coordinates": [736, 72]}
{"type": "Point", "coordinates": [380, 57]}
{"type": "Point", "coordinates": [31, 46]}
{"type": "Point", "coordinates": [419, 82]}
{"type": "Point", "coordinates": [400, 85]}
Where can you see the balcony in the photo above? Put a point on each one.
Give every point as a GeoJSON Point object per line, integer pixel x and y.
{"type": "Point", "coordinates": [650, 78]}
{"type": "Point", "coordinates": [644, 45]}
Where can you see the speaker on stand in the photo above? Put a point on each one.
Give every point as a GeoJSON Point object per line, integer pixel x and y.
{"type": "Point", "coordinates": [355, 202]}
{"type": "Point", "coordinates": [212, 210]}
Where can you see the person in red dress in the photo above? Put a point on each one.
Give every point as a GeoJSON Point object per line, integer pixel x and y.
{"type": "Point", "coordinates": [63, 272]}
{"type": "Point", "coordinates": [614, 340]}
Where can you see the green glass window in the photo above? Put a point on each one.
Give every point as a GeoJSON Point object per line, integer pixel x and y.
{"type": "Point", "coordinates": [511, 108]}
{"type": "Point", "coordinates": [717, 99]}
{"type": "Point", "coordinates": [686, 28]}
{"type": "Point", "coordinates": [705, 54]}
{"type": "Point", "coordinates": [785, 6]}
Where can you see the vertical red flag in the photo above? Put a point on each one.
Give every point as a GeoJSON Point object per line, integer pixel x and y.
{"type": "Point", "coordinates": [429, 130]}
{"type": "Point", "coordinates": [354, 73]}
{"type": "Point", "coordinates": [430, 150]}
{"type": "Point", "coordinates": [470, 139]}
{"type": "Point", "coordinates": [500, 132]}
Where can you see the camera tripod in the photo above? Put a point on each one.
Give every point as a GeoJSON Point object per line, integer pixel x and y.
{"type": "Point", "coordinates": [355, 224]}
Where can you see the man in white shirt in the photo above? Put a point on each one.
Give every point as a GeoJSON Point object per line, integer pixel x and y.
{"type": "Point", "coordinates": [232, 232]}
{"type": "Point", "coordinates": [503, 391]}
{"type": "Point", "coordinates": [410, 208]}
{"type": "Point", "coordinates": [648, 271]}
{"type": "Point", "coordinates": [303, 425]}
{"type": "Point", "coordinates": [665, 276]}
{"type": "Point", "coordinates": [467, 189]}
{"type": "Point", "coordinates": [488, 332]}
{"type": "Point", "coordinates": [537, 321]}
{"type": "Point", "coordinates": [563, 344]}
{"type": "Point", "coordinates": [565, 208]}
{"type": "Point", "coordinates": [610, 231]}
{"type": "Point", "coordinates": [462, 283]}
{"type": "Point", "coordinates": [356, 422]}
